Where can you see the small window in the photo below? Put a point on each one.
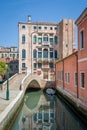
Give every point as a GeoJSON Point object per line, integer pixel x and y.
{"type": "Point", "coordinates": [35, 65]}
{"type": "Point", "coordinates": [23, 53]}
{"type": "Point", "coordinates": [34, 39]}
{"type": "Point", "coordinates": [51, 28]}
{"type": "Point", "coordinates": [55, 54]}
{"type": "Point", "coordinates": [39, 27]}
{"type": "Point", "coordinates": [23, 27]}
{"type": "Point", "coordinates": [35, 27]}
{"type": "Point", "coordinates": [45, 28]}
{"type": "Point", "coordinates": [13, 55]}
{"type": "Point", "coordinates": [23, 65]}
{"type": "Point", "coordinates": [34, 54]}
{"type": "Point", "coordinates": [68, 77]}
{"type": "Point", "coordinates": [23, 38]}
{"type": "Point", "coordinates": [82, 80]}
{"type": "Point", "coordinates": [39, 65]}
{"type": "Point", "coordinates": [39, 54]}
{"type": "Point", "coordinates": [82, 39]}
{"type": "Point", "coordinates": [55, 40]}
{"type": "Point", "coordinates": [51, 54]}
{"type": "Point", "coordinates": [55, 28]}
{"type": "Point", "coordinates": [51, 40]}
{"type": "Point", "coordinates": [39, 40]}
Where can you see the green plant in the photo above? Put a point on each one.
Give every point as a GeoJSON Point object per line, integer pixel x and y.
{"type": "Point", "coordinates": [3, 68]}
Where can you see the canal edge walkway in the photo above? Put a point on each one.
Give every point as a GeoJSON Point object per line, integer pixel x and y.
{"type": "Point", "coordinates": [7, 107]}
{"type": "Point", "coordinates": [78, 101]}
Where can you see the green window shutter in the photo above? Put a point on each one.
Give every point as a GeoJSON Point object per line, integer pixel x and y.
{"type": "Point", "coordinates": [55, 39]}
{"type": "Point", "coordinates": [51, 40]}
{"type": "Point", "coordinates": [34, 39]}
{"type": "Point", "coordinates": [39, 40]}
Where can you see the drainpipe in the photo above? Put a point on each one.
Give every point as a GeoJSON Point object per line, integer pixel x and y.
{"type": "Point", "coordinates": [55, 76]}
{"type": "Point", "coordinates": [63, 74]}
{"type": "Point", "coordinates": [77, 74]}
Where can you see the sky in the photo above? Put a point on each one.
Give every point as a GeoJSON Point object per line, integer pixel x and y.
{"type": "Point", "coordinates": [14, 11]}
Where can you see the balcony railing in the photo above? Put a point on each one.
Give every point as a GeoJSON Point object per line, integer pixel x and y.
{"type": "Point", "coordinates": [45, 66]}
{"type": "Point", "coordinates": [45, 61]}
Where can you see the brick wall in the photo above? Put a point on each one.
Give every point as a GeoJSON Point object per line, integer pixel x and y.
{"type": "Point", "coordinates": [67, 68]}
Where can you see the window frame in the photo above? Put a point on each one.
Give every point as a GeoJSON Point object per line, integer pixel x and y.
{"type": "Point", "coordinates": [75, 79]}
{"type": "Point", "coordinates": [23, 53]}
{"type": "Point", "coordinates": [68, 77]}
{"type": "Point", "coordinates": [82, 83]}
{"type": "Point", "coordinates": [23, 26]}
{"type": "Point", "coordinates": [35, 65]}
{"type": "Point", "coordinates": [39, 54]}
{"type": "Point", "coordinates": [45, 53]}
{"type": "Point", "coordinates": [34, 54]}
{"type": "Point", "coordinates": [82, 39]}
{"type": "Point", "coordinates": [23, 38]}
{"type": "Point", "coordinates": [23, 65]}
{"type": "Point", "coordinates": [34, 39]}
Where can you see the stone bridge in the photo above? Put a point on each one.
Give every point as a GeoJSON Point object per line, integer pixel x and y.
{"type": "Point", "coordinates": [32, 81]}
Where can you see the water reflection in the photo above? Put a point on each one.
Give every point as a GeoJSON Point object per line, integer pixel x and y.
{"type": "Point", "coordinates": [66, 119]}
{"type": "Point", "coordinates": [38, 113]}
{"type": "Point", "coordinates": [41, 112]}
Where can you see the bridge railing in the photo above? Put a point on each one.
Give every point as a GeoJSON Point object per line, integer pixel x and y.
{"type": "Point", "coordinates": [24, 81]}
{"type": "Point", "coordinates": [28, 78]}
{"type": "Point", "coordinates": [11, 79]}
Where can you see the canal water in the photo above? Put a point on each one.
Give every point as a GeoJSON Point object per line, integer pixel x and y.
{"type": "Point", "coordinates": [43, 112]}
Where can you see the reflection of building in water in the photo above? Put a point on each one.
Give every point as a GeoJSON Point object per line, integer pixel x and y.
{"type": "Point", "coordinates": [42, 117]}
{"type": "Point", "coordinates": [66, 120]}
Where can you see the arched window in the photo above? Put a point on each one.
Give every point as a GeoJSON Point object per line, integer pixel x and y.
{"type": "Point", "coordinates": [23, 38]}
{"type": "Point", "coordinates": [34, 54]}
{"type": "Point", "coordinates": [34, 39]}
{"type": "Point", "coordinates": [23, 53]}
{"type": "Point", "coordinates": [45, 53]}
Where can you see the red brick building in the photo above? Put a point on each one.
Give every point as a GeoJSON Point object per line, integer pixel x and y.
{"type": "Point", "coordinates": [66, 74]}
{"type": "Point", "coordinates": [81, 22]}
{"type": "Point", "coordinates": [71, 72]}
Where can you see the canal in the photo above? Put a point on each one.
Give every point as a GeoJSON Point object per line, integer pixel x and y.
{"type": "Point", "coordinates": [43, 112]}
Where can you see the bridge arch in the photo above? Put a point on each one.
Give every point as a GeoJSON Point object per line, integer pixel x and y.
{"type": "Point", "coordinates": [33, 84]}
{"type": "Point", "coordinates": [32, 79]}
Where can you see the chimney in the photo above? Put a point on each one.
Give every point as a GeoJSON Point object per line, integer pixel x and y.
{"type": "Point", "coordinates": [29, 18]}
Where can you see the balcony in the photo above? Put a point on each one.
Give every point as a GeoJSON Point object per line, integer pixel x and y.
{"type": "Point", "coordinates": [45, 66]}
